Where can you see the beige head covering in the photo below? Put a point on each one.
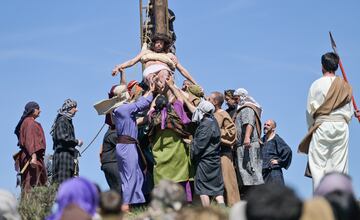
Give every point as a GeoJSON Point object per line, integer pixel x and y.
{"type": "Point", "coordinates": [317, 208]}
{"type": "Point", "coordinates": [8, 206]}
{"type": "Point", "coordinates": [108, 105]}
{"type": "Point", "coordinates": [246, 99]}
{"type": "Point", "coordinates": [196, 90]}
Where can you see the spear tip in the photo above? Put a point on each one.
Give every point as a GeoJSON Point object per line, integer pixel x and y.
{"type": "Point", "coordinates": [333, 44]}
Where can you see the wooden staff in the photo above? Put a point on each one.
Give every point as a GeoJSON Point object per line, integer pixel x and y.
{"type": "Point", "coordinates": [333, 45]}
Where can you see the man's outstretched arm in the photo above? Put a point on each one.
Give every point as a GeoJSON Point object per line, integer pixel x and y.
{"type": "Point", "coordinates": [185, 73]}
{"type": "Point", "coordinates": [179, 95]}
{"type": "Point", "coordinates": [129, 63]}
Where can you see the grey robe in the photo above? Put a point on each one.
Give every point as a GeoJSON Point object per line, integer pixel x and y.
{"type": "Point", "coordinates": [249, 162]}
{"type": "Point", "coordinates": [205, 154]}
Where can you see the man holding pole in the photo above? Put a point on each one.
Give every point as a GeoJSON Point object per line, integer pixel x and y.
{"type": "Point", "coordinates": [329, 112]}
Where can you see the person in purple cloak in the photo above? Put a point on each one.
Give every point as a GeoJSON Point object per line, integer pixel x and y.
{"type": "Point", "coordinates": [131, 162]}
{"type": "Point", "coordinates": [127, 149]}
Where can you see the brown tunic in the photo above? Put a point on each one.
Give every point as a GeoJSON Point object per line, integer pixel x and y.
{"type": "Point", "coordinates": [227, 128]}
{"type": "Point", "coordinates": [228, 138]}
{"type": "Point", "coordinates": [32, 140]}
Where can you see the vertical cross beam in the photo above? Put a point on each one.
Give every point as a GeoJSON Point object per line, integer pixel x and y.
{"type": "Point", "coordinates": [161, 16]}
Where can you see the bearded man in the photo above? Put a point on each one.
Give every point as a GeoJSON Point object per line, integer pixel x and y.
{"type": "Point", "coordinates": [276, 154]}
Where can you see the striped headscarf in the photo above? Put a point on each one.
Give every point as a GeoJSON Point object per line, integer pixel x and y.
{"type": "Point", "coordinates": [66, 107]}
{"type": "Point", "coordinates": [65, 111]}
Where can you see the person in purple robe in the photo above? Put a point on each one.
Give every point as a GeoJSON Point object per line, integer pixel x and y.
{"type": "Point", "coordinates": [128, 153]}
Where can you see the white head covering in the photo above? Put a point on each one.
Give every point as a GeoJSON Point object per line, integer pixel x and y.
{"type": "Point", "coordinates": [241, 91]}
{"type": "Point", "coordinates": [245, 98]}
{"type": "Point", "coordinates": [8, 206]}
{"type": "Point", "coordinates": [204, 107]}
{"type": "Point", "coordinates": [107, 105]}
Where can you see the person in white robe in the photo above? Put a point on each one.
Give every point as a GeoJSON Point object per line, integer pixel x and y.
{"type": "Point", "coordinates": [328, 149]}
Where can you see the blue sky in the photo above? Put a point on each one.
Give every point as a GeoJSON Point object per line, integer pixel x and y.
{"type": "Point", "coordinates": [50, 51]}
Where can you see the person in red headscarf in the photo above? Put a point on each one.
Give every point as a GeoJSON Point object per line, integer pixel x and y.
{"type": "Point", "coordinates": [32, 143]}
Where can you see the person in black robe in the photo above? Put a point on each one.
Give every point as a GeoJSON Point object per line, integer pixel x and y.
{"type": "Point", "coordinates": [65, 164]}
{"type": "Point", "coordinates": [205, 154]}
{"type": "Point", "coordinates": [109, 161]}
{"type": "Point", "coordinates": [108, 152]}
{"type": "Point", "coordinates": [276, 155]}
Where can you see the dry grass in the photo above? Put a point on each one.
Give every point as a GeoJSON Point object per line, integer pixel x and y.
{"type": "Point", "coordinates": [37, 204]}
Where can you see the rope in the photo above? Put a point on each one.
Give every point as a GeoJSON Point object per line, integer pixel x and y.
{"type": "Point", "coordinates": [145, 37]}
{"type": "Point", "coordinates": [92, 141]}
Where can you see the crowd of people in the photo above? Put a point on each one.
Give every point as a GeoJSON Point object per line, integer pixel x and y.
{"type": "Point", "coordinates": [158, 131]}
{"type": "Point", "coordinates": [79, 198]}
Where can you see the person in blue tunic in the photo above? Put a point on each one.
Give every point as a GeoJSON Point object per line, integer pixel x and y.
{"type": "Point", "coordinates": [276, 154]}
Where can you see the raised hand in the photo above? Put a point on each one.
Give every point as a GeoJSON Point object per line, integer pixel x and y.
{"type": "Point", "coordinates": [152, 87]}
{"type": "Point", "coordinates": [117, 69]}
{"type": "Point", "coordinates": [170, 80]}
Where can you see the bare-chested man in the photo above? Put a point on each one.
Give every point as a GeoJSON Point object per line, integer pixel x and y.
{"type": "Point", "coordinates": [157, 61]}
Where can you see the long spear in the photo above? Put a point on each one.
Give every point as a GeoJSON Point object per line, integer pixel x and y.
{"type": "Point", "coordinates": [333, 45]}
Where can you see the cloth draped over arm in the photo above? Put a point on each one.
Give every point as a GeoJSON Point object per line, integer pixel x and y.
{"type": "Point", "coordinates": [171, 117]}
{"type": "Point", "coordinates": [338, 95]}
{"type": "Point", "coordinates": [32, 137]}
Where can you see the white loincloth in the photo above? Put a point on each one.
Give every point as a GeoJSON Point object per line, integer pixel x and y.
{"type": "Point", "coordinates": [154, 68]}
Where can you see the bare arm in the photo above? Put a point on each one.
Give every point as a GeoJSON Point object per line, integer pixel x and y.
{"type": "Point", "coordinates": [129, 63]}
{"type": "Point", "coordinates": [185, 73]}
{"type": "Point", "coordinates": [248, 131]}
{"type": "Point", "coordinates": [180, 96]}
{"type": "Point", "coordinates": [122, 78]}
